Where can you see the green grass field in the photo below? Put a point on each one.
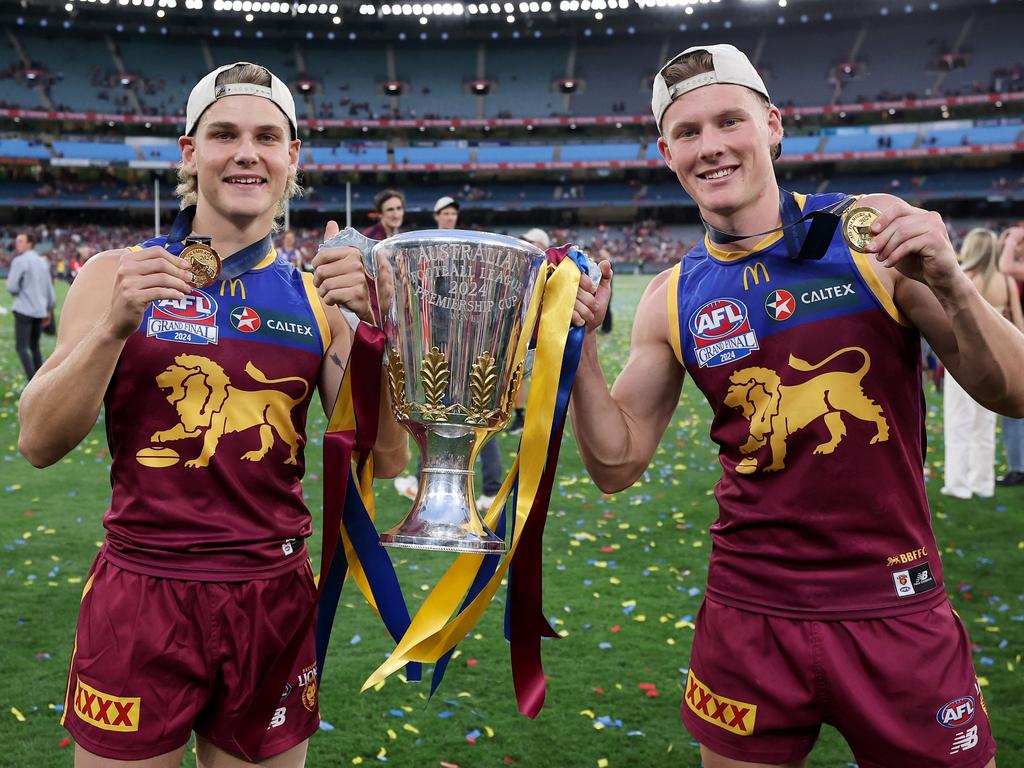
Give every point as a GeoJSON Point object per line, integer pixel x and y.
{"type": "Point", "coordinates": [624, 576]}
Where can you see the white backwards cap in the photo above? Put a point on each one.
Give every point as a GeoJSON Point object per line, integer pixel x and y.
{"type": "Point", "coordinates": [731, 66]}
{"type": "Point", "coordinates": [207, 91]}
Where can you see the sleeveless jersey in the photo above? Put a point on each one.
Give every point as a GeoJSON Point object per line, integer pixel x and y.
{"type": "Point", "coordinates": [205, 418]}
{"type": "Point", "coordinates": [815, 384]}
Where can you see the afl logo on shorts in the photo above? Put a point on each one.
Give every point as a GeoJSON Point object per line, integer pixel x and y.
{"type": "Point", "coordinates": [957, 713]}
{"type": "Point", "coordinates": [245, 320]}
{"type": "Point", "coordinates": [191, 319]}
{"type": "Point", "coordinates": [721, 332]}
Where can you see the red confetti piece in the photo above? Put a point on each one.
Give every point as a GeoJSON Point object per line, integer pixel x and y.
{"type": "Point", "coordinates": [615, 629]}
{"type": "Point", "coordinates": [606, 550]}
{"type": "Point", "coordinates": [598, 690]}
{"type": "Point", "coordinates": [470, 662]}
{"type": "Point", "coordinates": [647, 686]}
{"type": "Point", "coordinates": [64, 743]}
{"type": "Point", "coordinates": [448, 765]}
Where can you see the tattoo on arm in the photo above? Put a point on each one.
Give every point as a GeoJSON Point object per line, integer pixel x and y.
{"type": "Point", "coordinates": [337, 360]}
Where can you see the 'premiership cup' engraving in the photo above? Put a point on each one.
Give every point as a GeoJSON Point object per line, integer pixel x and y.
{"type": "Point", "coordinates": [467, 278]}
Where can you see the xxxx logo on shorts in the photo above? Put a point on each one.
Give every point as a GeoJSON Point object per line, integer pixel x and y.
{"type": "Point", "coordinates": [110, 713]}
{"type": "Point", "coordinates": [734, 716]}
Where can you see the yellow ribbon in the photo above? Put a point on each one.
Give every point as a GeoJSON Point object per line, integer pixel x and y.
{"type": "Point", "coordinates": [432, 632]}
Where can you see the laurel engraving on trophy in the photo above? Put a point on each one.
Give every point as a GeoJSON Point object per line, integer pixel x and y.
{"type": "Point", "coordinates": [482, 381]}
{"type": "Point", "coordinates": [434, 375]}
{"type": "Point", "coordinates": [396, 384]}
{"type": "Point", "coordinates": [509, 398]}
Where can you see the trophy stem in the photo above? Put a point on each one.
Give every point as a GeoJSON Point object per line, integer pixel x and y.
{"type": "Point", "coordinates": [444, 515]}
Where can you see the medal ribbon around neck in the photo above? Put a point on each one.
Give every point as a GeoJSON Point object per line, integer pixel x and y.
{"type": "Point", "coordinates": [234, 265]}
{"type": "Point", "coordinates": [824, 222]}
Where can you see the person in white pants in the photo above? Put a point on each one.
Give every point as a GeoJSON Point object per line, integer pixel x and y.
{"type": "Point", "coordinates": [970, 429]}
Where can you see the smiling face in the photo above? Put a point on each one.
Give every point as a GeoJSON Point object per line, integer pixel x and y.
{"type": "Point", "coordinates": [717, 140]}
{"type": "Point", "coordinates": [242, 155]}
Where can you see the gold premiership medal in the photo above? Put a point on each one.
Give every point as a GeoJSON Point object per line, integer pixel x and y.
{"type": "Point", "coordinates": [857, 227]}
{"type": "Point", "coordinates": [203, 261]}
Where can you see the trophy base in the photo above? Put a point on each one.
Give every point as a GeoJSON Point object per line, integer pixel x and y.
{"type": "Point", "coordinates": [489, 545]}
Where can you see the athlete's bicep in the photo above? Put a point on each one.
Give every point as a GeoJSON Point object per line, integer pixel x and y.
{"type": "Point", "coordinates": [647, 390]}
{"type": "Point", "coordinates": [335, 360]}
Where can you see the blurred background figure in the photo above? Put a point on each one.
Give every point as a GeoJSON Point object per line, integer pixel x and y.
{"type": "Point", "coordinates": [390, 207]}
{"type": "Point", "coordinates": [970, 429]}
{"type": "Point", "coordinates": [30, 283]}
{"type": "Point", "coordinates": [1011, 263]}
{"type": "Point", "coordinates": [294, 254]}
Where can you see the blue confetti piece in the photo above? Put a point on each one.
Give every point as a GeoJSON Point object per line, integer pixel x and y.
{"type": "Point", "coordinates": [473, 735]}
{"type": "Point", "coordinates": [987, 661]}
{"type": "Point", "coordinates": [356, 639]}
{"type": "Point", "coordinates": [325, 726]}
{"type": "Point", "coordinates": [396, 712]}
{"type": "Point", "coordinates": [604, 646]}
{"type": "Point", "coordinates": [444, 715]}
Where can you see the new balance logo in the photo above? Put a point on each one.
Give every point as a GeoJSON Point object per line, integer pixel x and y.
{"type": "Point", "coordinates": [965, 740]}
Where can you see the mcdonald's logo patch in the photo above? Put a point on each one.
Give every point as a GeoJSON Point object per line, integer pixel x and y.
{"type": "Point", "coordinates": [233, 285]}
{"type": "Point", "coordinates": [734, 716]}
{"type": "Point", "coordinates": [106, 712]}
{"type": "Point", "coordinates": [754, 272]}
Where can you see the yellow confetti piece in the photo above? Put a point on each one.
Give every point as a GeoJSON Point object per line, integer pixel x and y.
{"type": "Point", "coordinates": [614, 580]}
{"type": "Point", "coordinates": [629, 604]}
{"type": "Point", "coordinates": [17, 714]}
{"type": "Point", "coordinates": [489, 731]}
{"type": "Point", "coordinates": [602, 763]}
{"type": "Point", "coordinates": [680, 624]}
{"type": "Point", "coordinates": [379, 685]}
{"type": "Point", "coordinates": [55, 558]}
{"type": "Point", "coordinates": [991, 629]}
{"type": "Point", "coordinates": [382, 754]}
{"type": "Point", "coordinates": [671, 641]}
{"type": "Point", "coordinates": [411, 728]}
{"type": "Point", "coordinates": [983, 682]}
{"type": "Point", "coordinates": [598, 725]}
{"type": "Point", "coordinates": [588, 713]}
{"type": "Point", "coordinates": [74, 579]}
{"type": "Point", "coordinates": [357, 760]}
{"type": "Point", "coordinates": [391, 734]}
{"type": "Point", "coordinates": [641, 617]}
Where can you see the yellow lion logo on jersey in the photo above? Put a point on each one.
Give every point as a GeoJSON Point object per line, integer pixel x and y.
{"type": "Point", "coordinates": [777, 410]}
{"type": "Point", "coordinates": [205, 399]}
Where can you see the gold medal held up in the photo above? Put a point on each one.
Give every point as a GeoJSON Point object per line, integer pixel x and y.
{"type": "Point", "coordinates": [202, 259]}
{"type": "Point", "coordinates": [857, 226]}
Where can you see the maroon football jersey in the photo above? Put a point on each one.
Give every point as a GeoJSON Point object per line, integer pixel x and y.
{"type": "Point", "coordinates": [815, 384]}
{"type": "Point", "coordinates": [205, 419]}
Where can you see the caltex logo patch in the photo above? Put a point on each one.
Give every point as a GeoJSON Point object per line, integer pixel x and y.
{"type": "Point", "coordinates": [245, 320]}
{"type": "Point", "coordinates": [780, 305]}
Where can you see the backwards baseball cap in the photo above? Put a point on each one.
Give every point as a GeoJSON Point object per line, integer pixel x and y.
{"type": "Point", "coordinates": [731, 66]}
{"type": "Point", "coordinates": [207, 91]}
{"type": "Point", "coordinates": [445, 202]}
{"type": "Point", "coordinates": [537, 237]}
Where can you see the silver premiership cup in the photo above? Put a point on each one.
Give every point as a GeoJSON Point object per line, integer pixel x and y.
{"type": "Point", "coordinates": [459, 310]}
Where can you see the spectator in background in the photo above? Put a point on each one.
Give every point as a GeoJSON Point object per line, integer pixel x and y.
{"type": "Point", "coordinates": [390, 207]}
{"type": "Point", "coordinates": [970, 428]}
{"type": "Point", "coordinates": [30, 283]}
{"type": "Point", "coordinates": [292, 254]}
{"type": "Point", "coordinates": [1011, 263]}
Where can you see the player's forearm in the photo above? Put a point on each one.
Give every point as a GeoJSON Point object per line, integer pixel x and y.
{"type": "Point", "coordinates": [391, 451]}
{"type": "Point", "coordinates": [989, 350]}
{"type": "Point", "coordinates": [60, 405]}
{"type": "Point", "coordinates": [601, 428]}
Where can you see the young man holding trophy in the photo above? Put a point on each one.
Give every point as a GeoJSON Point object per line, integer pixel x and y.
{"type": "Point", "coordinates": [204, 347]}
{"type": "Point", "coordinates": [825, 573]}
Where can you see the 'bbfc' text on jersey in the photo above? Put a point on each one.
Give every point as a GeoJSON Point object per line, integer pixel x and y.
{"type": "Point", "coordinates": [815, 384]}
{"type": "Point", "coordinates": [205, 420]}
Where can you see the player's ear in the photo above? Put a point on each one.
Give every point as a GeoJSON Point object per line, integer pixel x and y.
{"type": "Point", "coordinates": [187, 145]}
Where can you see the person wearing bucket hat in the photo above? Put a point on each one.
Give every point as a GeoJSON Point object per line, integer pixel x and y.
{"type": "Point", "coordinates": [824, 597]}
{"type": "Point", "coordinates": [205, 370]}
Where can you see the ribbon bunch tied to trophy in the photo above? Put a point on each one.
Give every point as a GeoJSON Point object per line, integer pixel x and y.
{"type": "Point", "coordinates": [456, 337]}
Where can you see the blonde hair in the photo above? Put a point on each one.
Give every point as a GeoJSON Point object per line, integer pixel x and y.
{"type": "Point", "coordinates": [697, 63]}
{"type": "Point", "coordinates": [980, 253]}
{"type": "Point", "coordinates": [188, 184]}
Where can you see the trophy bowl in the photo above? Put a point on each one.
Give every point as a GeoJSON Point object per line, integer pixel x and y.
{"type": "Point", "coordinates": [458, 315]}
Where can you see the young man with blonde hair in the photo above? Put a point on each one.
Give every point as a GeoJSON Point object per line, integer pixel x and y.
{"type": "Point", "coordinates": [824, 599]}
{"type": "Point", "coordinates": [204, 573]}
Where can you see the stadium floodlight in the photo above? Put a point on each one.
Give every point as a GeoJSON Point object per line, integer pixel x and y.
{"type": "Point", "coordinates": [545, 6]}
{"type": "Point", "coordinates": [510, 18]}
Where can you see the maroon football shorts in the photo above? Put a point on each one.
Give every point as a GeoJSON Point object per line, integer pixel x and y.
{"type": "Point", "coordinates": [901, 690]}
{"type": "Point", "coordinates": [157, 658]}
